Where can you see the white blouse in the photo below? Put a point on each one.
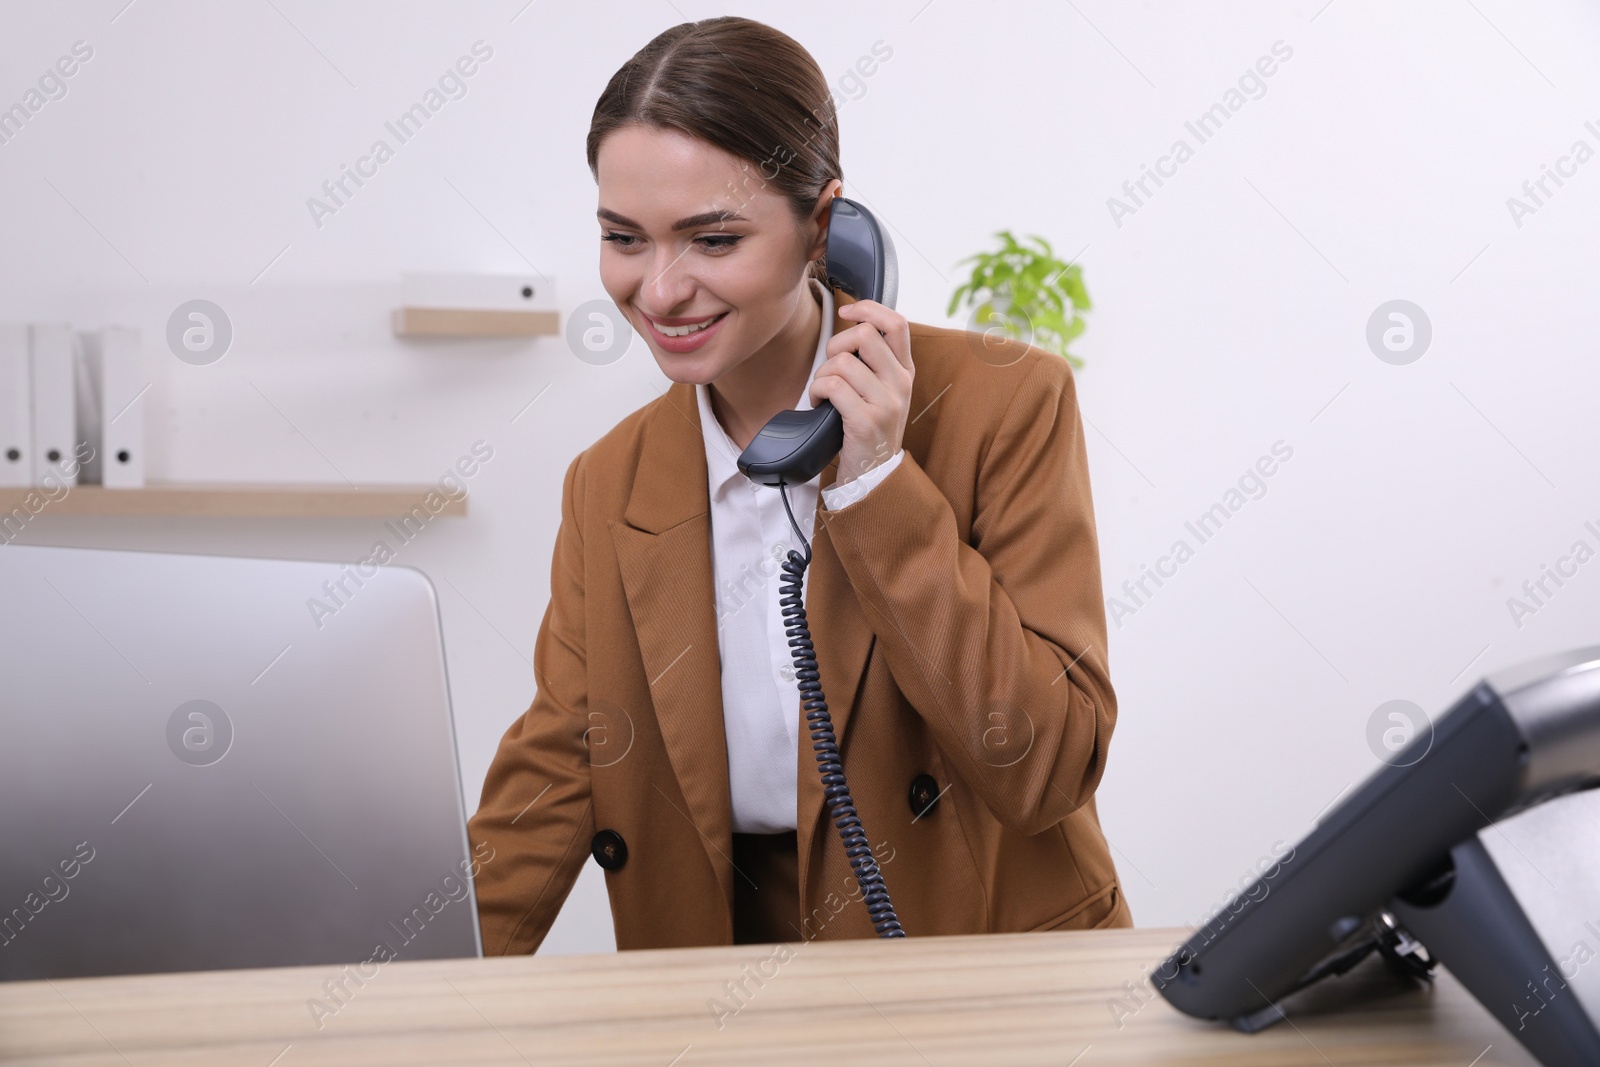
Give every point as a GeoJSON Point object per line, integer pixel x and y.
{"type": "Point", "coordinates": [750, 535]}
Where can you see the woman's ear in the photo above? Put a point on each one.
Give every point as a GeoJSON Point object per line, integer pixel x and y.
{"type": "Point", "coordinates": [820, 216]}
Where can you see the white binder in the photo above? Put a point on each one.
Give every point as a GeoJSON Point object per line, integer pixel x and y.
{"type": "Point", "coordinates": [16, 407]}
{"type": "Point", "coordinates": [110, 406]}
{"type": "Point", "coordinates": [55, 462]}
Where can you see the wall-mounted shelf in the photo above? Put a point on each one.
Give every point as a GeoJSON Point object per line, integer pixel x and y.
{"type": "Point", "coordinates": [474, 322]}
{"type": "Point", "coordinates": [476, 305]}
{"type": "Point", "coordinates": [238, 501]}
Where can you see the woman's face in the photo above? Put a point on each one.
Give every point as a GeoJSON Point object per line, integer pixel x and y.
{"type": "Point", "coordinates": [693, 237]}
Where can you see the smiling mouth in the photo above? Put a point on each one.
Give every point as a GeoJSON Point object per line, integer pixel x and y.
{"type": "Point", "coordinates": [685, 331]}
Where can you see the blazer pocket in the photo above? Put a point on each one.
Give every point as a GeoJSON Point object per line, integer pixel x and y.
{"type": "Point", "coordinates": [1099, 909]}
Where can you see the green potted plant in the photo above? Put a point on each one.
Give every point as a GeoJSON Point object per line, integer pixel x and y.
{"type": "Point", "coordinates": [1026, 292]}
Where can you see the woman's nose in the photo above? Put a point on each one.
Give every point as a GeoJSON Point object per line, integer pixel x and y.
{"type": "Point", "coordinates": [667, 283]}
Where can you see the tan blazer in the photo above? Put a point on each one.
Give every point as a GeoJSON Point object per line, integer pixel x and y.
{"type": "Point", "coordinates": [961, 639]}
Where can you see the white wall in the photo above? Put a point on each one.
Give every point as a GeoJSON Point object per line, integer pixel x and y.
{"type": "Point", "coordinates": [1231, 311]}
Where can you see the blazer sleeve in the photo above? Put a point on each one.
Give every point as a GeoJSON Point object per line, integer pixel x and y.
{"type": "Point", "coordinates": [1000, 644]}
{"type": "Point", "coordinates": [536, 813]}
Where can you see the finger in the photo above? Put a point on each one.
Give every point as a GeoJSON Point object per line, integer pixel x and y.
{"type": "Point", "coordinates": [885, 318]}
{"type": "Point", "coordinates": [889, 379]}
{"type": "Point", "coordinates": [870, 386]}
{"type": "Point", "coordinates": [889, 323]}
{"type": "Point", "coordinates": [873, 348]}
{"type": "Point", "coordinates": [842, 394]}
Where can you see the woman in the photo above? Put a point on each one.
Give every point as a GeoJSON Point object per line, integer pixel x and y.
{"type": "Point", "coordinates": [953, 594]}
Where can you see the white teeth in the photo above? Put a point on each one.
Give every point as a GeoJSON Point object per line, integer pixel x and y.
{"type": "Point", "coordinates": [685, 331]}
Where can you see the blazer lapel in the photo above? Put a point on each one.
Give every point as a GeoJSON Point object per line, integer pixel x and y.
{"type": "Point", "coordinates": [663, 549]}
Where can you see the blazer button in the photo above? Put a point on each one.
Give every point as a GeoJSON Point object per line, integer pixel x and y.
{"type": "Point", "coordinates": [924, 795]}
{"type": "Point", "coordinates": [609, 849]}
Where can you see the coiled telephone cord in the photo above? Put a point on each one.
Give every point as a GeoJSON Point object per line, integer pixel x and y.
{"type": "Point", "coordinates": [823, 742]}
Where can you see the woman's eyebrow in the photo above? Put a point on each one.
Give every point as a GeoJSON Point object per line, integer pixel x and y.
{"type": "Point", "coordinates": [705, 218]}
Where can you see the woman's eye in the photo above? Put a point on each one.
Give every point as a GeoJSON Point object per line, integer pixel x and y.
{"type": "Point", "coordinates": [713, 243]}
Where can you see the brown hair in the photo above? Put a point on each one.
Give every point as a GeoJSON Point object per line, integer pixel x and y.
{"type": "Point", "coordinates": [745, 87]}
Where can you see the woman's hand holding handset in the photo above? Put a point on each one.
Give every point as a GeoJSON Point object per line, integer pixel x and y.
{"type": "Point", "coordinates": [873, 392]}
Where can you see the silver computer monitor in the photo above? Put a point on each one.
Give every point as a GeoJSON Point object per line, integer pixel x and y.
{"type": "Point", "coordinates": [214, 762]}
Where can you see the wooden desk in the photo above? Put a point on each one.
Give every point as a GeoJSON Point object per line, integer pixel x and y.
{"type": "Point", "coordinates": [1005, 999]}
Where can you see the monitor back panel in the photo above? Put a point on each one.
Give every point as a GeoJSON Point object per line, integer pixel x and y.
{"type": "Point", "coordinates": [214, 762]}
